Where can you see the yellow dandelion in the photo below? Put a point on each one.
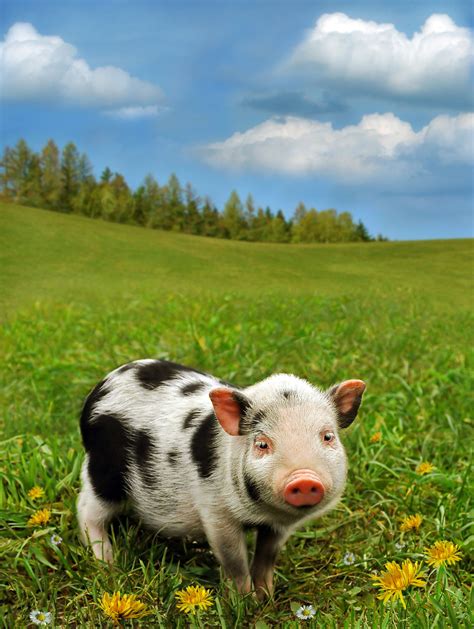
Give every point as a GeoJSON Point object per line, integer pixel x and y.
{"type": "Point", "coordinates": [40, 518]}
{"type": "Point", "coordinates": [443, 552]}
{"type": "Point", "coordinates": [398, 578]}
{"type": "Point", "coordinates": [193, 598]}
{"type": "Point", "coordinates": [36, 492]}
{"type": "Point", "coordinates": [411, 522]}
{"type": "Point", "coordinates": [122, 607]}
{"type": "Point", "coordinates": [424, 468]}
{"type": "Point", "coordinates": [376, 437]}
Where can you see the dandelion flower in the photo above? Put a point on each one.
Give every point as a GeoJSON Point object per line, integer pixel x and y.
{"type": "Point", "coordinates": [36, 492]}
{"type": "Point", "coordinates": [348, 559]}
{"type": "Point", "coordinates": [411, 522]}
{"type": "Point", "coordinates": [443, 552]}
{"type": "Point", "coordinates": [55, 539]}
{"type": "Point", "coordinates": [424, 468]}
{"type": "Point", "coordinates": [398, 578]}
{"type": "Point", "coordinates": [40, 618]}
{"type": "Point", "coordinates": [193, 598]}
{"type": "Point", "coordinates": [376, 437]}
{"type": "Point", "coordinates": [40, 518]}
{"type": "Point", "coordinates": [122, 607]}
{"type": "Point", "coordinates": [305, 612]}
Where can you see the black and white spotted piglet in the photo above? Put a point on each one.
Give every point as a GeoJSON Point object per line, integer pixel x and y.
{"type": "Point", "coordinates": [197, 457]}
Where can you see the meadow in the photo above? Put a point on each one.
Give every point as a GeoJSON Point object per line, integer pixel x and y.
{"type": "Point", "coordinates": [79, 297]}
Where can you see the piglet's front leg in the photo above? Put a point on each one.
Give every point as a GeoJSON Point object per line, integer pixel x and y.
{"type": "Point", "coordinates": [227, 541]}
{"type": "Point", "coordinates": [267, 547]}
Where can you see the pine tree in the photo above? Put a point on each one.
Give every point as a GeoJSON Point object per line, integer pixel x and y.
{"type": "Point", "coordinates": [193, 223]}
{"type": "Point", "coordinates": [16, 172]}
{"type": "Point", "coordinates": [233, 217]}
{"type": "Point", "coordinates": [154, 204]}
{"type": "Point", "coordinates": [280, 229]}
{"type": "Point", "coordinates": [106, 175]}
{"type": "Point", "coordinates": [361, 232]}
{"type": "Point", "coordinates": [174, 210]}
{"type": "Point", "coordinates": [70, 177]}
{"type": "Point", "coordinates": [249, 217]}
{"type": "Point", "coordinates": [50, 175]}
{"type": "Point", "coordinates": [210, 220]}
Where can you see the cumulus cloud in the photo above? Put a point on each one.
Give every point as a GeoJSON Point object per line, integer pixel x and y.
{"type": "Point", "coordinates": [380, 145]}
{"type": "Point", "coordinates": [41, 67]}
{"type": "Point", "coordinates": [369, 57]}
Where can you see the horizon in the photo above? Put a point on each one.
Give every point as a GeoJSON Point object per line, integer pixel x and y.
{"type": "Point", "coordinates": [390, 142]}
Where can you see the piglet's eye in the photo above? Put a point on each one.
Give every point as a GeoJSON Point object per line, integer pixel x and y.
{"type": "Point", "coordinates": [329, 436]}
{"type": "Point", "coordinates": [262, 445]}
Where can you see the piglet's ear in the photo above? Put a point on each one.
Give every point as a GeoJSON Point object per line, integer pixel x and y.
{"type": "Point", "coordinates": [347, 397]}
{"type": "Point", "coordinates": [230, 408]}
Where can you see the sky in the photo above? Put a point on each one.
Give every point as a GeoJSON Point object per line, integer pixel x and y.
{"type": "Point", "coordinates": [363, 106]}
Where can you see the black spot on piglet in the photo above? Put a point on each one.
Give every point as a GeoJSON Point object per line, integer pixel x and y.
{"type": "Point", "coordinates": [190, 417]}
{"type": "Point", "coordinates": [192, 387]}
{"type": "Point", "coordinates": [144, 449]}
{"type": "Point", "coordinates": [108, 444]}
{"type": "Point", "coordinates": [203, 446]}
{"type": "Point", "coordinates": [153, 374]}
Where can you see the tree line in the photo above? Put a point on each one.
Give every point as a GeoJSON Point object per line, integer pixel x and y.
{"type": "Point", "coordinates": [64, 181]}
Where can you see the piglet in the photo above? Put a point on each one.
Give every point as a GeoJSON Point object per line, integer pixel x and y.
{"type": "Point", "coordinates": [197, 457]}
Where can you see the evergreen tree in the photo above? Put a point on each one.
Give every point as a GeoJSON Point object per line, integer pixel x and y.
{"type": "Point", "coordinates": [259, 226]}
{"type": "Point", "coordinates": [361, 232]}
{"type": "Point", "coordinates": [249, 217]}
{"type": "Point", "coordinates": [279, 228]}
{"type": "Point", "coordinates": [70, 177]}
{"type": "Point", "coordinates": [106, 175]}
{"type": "Point", "coordinates": [17, 172]}
{"type": "Point", "coordinates": [50, 175]}
{"type": "Point", "coordinates": [123, 200]}
{"type": "Point", "coordinates": [210, 220]}
{"type": "Point", "coordinates": [85, 170]}
{"type": "Point", "coordinates": [193, 223]}
{"type": "Point", "coordinates": [174, 209]}
{"type": "Point", "coordinates": [233, 217]}
{"type": "Point", "coordinates": [32, 193]}
{"type": "Point", "coordinates": [154, 204]}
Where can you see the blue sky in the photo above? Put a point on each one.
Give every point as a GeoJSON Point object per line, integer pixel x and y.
{"type": "Point", "coordinates": [363, 106]}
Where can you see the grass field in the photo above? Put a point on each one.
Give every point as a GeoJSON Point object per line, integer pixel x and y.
{"type": "Point", "coordinates": [80, 297]}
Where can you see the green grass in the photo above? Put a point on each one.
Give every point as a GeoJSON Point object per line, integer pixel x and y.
{"type": "Point", "coordinates": [60, 337]}
{"type": "Point", "coordinates": [50, 256]}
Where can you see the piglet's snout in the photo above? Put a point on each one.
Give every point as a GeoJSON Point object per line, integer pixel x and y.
{"type": "Point", "coordinates": [303, 489]}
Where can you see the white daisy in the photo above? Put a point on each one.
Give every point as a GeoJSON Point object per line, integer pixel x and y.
{"type": "Point", "coordinates": [40, 618]}
{"type": "Point", "coordinates": [348, 559]}
{"type": "Point", "coordinates": [305, 612]}
{"type": "Point", "coordinates": [55, 539]}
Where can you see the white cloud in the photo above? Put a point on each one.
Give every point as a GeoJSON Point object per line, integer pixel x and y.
{"type": "Point", "coordinates": [380, 145]}
{"type": "Point", "coordinates": [366, 56]}
{"type": "Point", "coordinates": [40, 67]}
{"type": "Point", "coordinates": [133, 113]}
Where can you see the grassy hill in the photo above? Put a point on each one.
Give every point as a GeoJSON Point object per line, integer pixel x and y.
{"type": "Point", "coordinates": [49, 256]}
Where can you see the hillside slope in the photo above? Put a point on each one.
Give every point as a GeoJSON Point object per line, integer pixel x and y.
{"type": "Point", "coordinates": [49, 256]}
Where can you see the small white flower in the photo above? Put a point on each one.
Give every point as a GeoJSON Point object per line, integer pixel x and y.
{"type": "Point", "coordinates": [400, 545]}
{"type": "Point", "coordinates": [305, 612]}
{"type": "Point", "coordinates": [348, 559]}
{"type": "Point", "coordinates": [40, 618]}
{"type": "Point", "coordinates": [55, 539]}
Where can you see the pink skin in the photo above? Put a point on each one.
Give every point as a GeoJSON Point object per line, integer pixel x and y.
{"type": "Point", "coordinates": [303, 489]}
